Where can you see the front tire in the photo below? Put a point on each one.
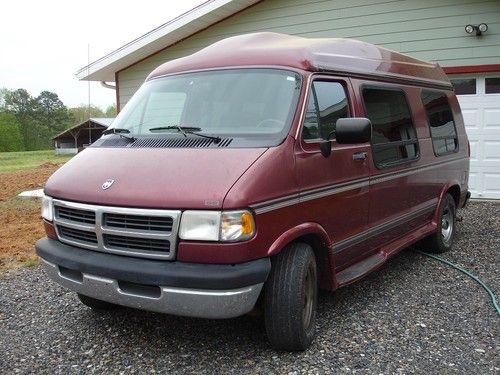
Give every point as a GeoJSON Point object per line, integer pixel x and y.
{"type": "Point", "coordinates": [97, 304]}
{"type": "Point", "coordinates": [442, 240]}
{"type": "Point", "coordinates": [291, 298]}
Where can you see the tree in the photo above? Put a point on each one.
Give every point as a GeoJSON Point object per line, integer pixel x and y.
{"type": "Point", "coordinates": [11, 138]}
{"type": "Point", "coordinates": [111, 111]}
{"type": "Point", "coordinates": [39, 119]}
{"type": "Point", "coordinates": [19, 101]}
{"type": "Point", "coordinates": [3, 92]}
{"type": "Point", "coordinates": [83, 113]}
{"type": "Point", "coordinates": [51, 109]}
{"type": "Point", "coordinates": [48, 102]}
{"type": "Point", "coordinates": [21, 104]}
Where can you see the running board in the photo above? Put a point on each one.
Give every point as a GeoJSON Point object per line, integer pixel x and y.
{"type": "Point", "coordinates": [360, 269]}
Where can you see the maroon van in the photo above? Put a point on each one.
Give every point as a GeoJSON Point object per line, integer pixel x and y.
{"type": "Point", "coordinates": [255, 171]}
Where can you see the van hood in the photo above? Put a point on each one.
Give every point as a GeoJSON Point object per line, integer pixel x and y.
{"type": "Point", "coordinates": [152, 178]}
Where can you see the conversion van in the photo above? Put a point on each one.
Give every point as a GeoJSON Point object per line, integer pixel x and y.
{"type": "Point", "coordinates": [254, 172]}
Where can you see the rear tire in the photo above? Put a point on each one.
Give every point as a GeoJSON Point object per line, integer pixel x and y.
{"type": "Point", "coordinates": [291, 298]}
{"type": "Point", "coordinates": [442, 240]}
{"type": "Point", "coordinates": [97, 304]}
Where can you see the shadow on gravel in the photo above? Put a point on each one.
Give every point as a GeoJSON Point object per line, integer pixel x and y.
{"type": "Point", "coordinates": [148, 329]}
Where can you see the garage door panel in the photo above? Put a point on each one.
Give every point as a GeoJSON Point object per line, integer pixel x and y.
{"type": "Point", "coordinates": [491, 151]}
{"type": "Point", "coordinates": [481, 114]}
{"type": "Point", "coordinates": [492, 119]}
{"type": "Point", "coordinates": [474, 188]}
{"type": "Point", "coordinates": [474, 150]}
{"type": "Point", "coordinates": [471, 118]}
{"type": "Point", "coordinates": [492, 185]}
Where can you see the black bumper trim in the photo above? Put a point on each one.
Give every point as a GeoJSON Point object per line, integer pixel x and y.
{"type": "Point", "coordinates": [154, 272]}
{"type": "Point", "coordinates": [466, 200]}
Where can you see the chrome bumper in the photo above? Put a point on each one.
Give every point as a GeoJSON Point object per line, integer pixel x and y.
{"type": "Point", "coordinates": [200, 303]}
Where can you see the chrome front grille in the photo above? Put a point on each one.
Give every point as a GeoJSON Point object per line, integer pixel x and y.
{"type": "Point", "coordinates": [129, 243]}
{"type": "Point", "coordinates": [72, 214]}
{"type": "Point", "coordinates": [145, 233]}
{"type": "Point", "coordinates": [77, 235]}
{"type": "Point", "coordinates": [147, 223]}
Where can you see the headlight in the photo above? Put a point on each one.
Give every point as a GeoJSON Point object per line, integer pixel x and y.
{"type": "Point", "coordinates": [228, 226]}
{"type": "Point", "coordinates": [47, 208]}
{"type": "Point", "coordinates": [200, 225]}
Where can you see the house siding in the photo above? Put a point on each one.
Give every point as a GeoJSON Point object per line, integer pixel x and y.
{"type": "Point", "coordinates": [426, 29]}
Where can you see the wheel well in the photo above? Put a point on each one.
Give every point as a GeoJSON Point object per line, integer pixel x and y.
{"type": "Point", "coordinates": [322, 253]}
{"type": "Point", "coordinates": [455, 193]}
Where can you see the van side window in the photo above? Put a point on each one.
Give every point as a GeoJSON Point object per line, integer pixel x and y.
{"type": "Point", "coordinates": [394, 138]}
{"type": "Point", "coordinates": [439, 115]}
{"type": "Point", "coordinates": [326, 104]}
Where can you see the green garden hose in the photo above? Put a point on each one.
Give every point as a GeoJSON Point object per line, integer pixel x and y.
{"type": "Point", "coordinates": [477, 279]}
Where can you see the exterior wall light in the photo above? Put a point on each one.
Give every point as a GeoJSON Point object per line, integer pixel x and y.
{"type": "Point", "coordinates": [479, 29]}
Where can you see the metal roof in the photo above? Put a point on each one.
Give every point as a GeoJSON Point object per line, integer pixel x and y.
{"type": "Point", "coordinates": [181, 27]}
{"type": "Point", "coordinates": [103, 121]}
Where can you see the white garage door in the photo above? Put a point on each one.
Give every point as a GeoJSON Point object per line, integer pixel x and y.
{"type": "Point", "coordinates": [479, 97]}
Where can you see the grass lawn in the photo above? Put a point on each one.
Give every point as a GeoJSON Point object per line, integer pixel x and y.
{"type": "Point", "coordinates": [18, 161]}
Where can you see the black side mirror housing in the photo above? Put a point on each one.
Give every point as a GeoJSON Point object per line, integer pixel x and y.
{"type": "Point", "coordinates": [353, 130]}
{"type": "Point", "coordinates": [326, 148]}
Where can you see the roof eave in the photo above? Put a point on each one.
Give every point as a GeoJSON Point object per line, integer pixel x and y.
{"type": "Point", "coordinates": [187, 24]}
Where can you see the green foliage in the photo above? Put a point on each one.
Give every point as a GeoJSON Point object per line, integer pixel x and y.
{"type": "Point", "coordinates": [35, 120]}
{"type": "Point", "coordinates": [16, 161]}
{"type": "Point", "coordinates": [111, 111]}
{"type": "Point", "coordinates": [83, 113]}
{"type": "Point", "coordinates": [11, 138]}
{"type": "Point", "coordinates": [38, 118]}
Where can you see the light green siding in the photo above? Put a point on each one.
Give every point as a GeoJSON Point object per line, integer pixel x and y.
{"type": "Point", "coordinates": [426, 29]}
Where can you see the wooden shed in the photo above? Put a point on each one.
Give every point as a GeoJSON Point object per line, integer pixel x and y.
{"type": "Point", "coordinates": [76, 138]}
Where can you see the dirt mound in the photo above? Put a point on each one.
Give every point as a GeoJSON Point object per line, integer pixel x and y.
{"type": "Point", "coordinates": [20, 227]}
{"type": "Point", "coordinates": [12, 183]}
{"type": "Point", "coordinates": [20, 222]}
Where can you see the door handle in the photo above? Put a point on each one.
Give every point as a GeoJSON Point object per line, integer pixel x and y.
{"type": "Point", "coordinates": [359, 156]}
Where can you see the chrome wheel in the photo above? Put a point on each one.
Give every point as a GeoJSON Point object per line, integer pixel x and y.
{"type": "Point", "coordinates": [447, 223]}
{"type": "Point", "coordinates": [309, 295]}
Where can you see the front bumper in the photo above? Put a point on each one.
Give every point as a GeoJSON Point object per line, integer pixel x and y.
{"type": "Point", "coordinates": [178, 288]}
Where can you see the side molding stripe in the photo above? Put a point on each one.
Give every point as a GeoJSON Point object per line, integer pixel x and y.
{"type": "Point", "coordinates": [372, 232]}
{"type": "Point", "coordinates": [290, 200]}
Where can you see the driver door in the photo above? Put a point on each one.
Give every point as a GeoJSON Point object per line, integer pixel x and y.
{"type": "Point", "coordinates": [334, 189]}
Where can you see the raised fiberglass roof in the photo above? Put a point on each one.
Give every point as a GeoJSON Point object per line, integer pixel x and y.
{"type": "Point", "coordinates": [327, 54]}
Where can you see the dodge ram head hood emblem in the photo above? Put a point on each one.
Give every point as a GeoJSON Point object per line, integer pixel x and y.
{"type": "Point", "coordinates": [107, 184]}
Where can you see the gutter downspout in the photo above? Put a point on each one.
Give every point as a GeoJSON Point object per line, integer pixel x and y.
{"type": "Point", "coordinates": [107, 85]}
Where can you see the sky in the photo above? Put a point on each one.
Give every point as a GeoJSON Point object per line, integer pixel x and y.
{"type": "Point", "coordinates": [44, 43]}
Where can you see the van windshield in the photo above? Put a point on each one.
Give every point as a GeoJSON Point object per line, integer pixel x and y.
{"type": "Point", "coordinates": [252, 104]}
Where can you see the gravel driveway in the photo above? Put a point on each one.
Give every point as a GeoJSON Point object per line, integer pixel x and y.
{"type": "Point", "coordinates": [414, 315]}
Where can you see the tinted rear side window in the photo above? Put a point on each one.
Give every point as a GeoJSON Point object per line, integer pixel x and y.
{"type": "Point", "coordinates": [394, 138]}
{"type": "Point", "coordinates": [440, 117]}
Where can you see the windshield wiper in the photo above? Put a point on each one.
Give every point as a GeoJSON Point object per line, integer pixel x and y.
{"type": "Point", "coordinates": [184, 130]}
{"type": "Point", "coordinates": [119, 131]}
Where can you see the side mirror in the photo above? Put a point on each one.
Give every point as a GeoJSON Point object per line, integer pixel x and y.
{"type": "Point", "coordinates": [326, 148]}
{"type": "Point", "coordinates": [353, 130]}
